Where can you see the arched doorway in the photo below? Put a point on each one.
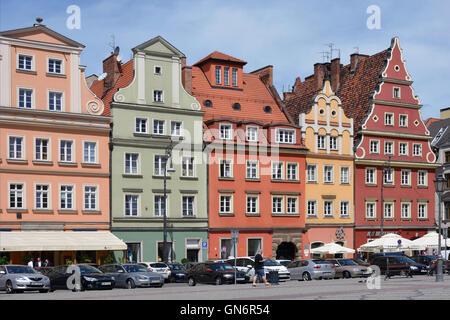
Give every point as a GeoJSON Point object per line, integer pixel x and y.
{"type": "Point", "coordinates": [286, 251]}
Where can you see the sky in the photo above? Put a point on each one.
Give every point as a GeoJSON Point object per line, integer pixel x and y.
{"type": "Point", "coordinates": [287, 34]}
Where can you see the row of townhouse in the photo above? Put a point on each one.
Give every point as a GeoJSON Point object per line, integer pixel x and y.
{"type": "Point", "coordinates": [204, 150]}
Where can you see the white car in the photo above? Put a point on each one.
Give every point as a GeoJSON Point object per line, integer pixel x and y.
{"type": "Point", "coordinates": [158, 267]}
{"type": "Point", "coordinates": [246, 264]}
{"type": "Point", "coordinates": [284, 262]}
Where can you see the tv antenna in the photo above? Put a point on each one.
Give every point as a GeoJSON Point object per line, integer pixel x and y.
{"type": "Point", "coordinates": [331, 45]}
{"type": "Point", "coordinates": [356, 49]}
{"type": "Point", "coordinates": [112, 44]}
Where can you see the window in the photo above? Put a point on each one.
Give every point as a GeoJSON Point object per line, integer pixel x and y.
{"type": "Point", "coordinates": [158, 127]}
{"type": "Point", "coordinates": [41, 149]}
{"type": "Point", "coordinates": [175, 128]}
{"type": "Point", "coordinates": [388, 210]}
{"type": "Point", "coordinates": [403, 148]}
{"type": "Point", "coordinates": [333, 143]}
{"type": "Point", "coordinates": [16, 147]}
{"type": "Point", "coordinates": [374, 146]}
{"type": "Point", "coordinates": [65, 151]}
{"type": "Point", "coordinates": [226, 131]}
{"type": "Point", "coordinates": [158, 96]}
{"type": "Point", "coordinates": [234, 76]}
{"type": "Point", "coordinates": [25, 62]}
{"type": "Point", "coordinates": [54, 66]}
{"type": "Point", "coordinates": [422, 211]}
{"type": "Point", "coordinates": [406, 177]}
{"type": "Point", "coordinates": [321, 142]}
{"type": "Point", "coordinates": [417, 150]}
{"type": "Point", "coordinates": [252, 204]}
{"type": "Point", "coordinates": [328, 208]}
{"type": "Point", "coordinates": [312, 208]}
{"type": "Point", "coordinates": [90, 198]}
{"type": "Point", "coordinates": [131, 163]}
{"type": "Point", "coordinates": [371, 176]}
{"type": "Point", "coordinates": [389, 119]}
{"type": "Point", "coordinates": [252, 169]}
{"type": "Point", "coordinates": [403, 120]}
{"type": "Point", "coordinates": [66, 197]}
{"type": "Point", "coordinates": [345, 175]}
{"type": "Point", "coordinates": [388, 176]}
{"type": "Point", "coordinates": [187, 167]}
{"type": "Point", "coordinates": [160, 206]}
{"type": "Point", "coordinates": [218, 75]}
{"type": "Point", "coordinates": [226, 169]}
{"type": "Point", "coordinates": [16, 196]}
{"type": "Point", "coordinates": [158, 70]}
{"type": "Point", "coordinates": [388, 147]}
{"type": "Point", "coordinates": [226, 76]}
{"type": "Point", "coordinates": [42, 197]}
{"type": "Point", "coordinates": [277, 170]}
{"type": "Point", "coordinates": [328, 174]}
{"type": "Point", "coordinates": [285, 136]}
{"type": "Point", "coordinates": [406, 214]}
{"type": "Point", "coordinates": [277, 205]}
{"type": "Point", "coordinates": [160, 163]}
{"type": "Point", "coordinates": [422, 178]}
{"type": "Point", "coordinates": [226, 204]}
{"type": "Point", "coordinates": [131, 205]}
{"type": "Point", "coordinates": [55, 101]}
{"type": "Point", "coordinates": [141, 125]}
{"type": "Point", "coordinates": [311, 172]}
{"type": "Point", "coordinates": [90, 152]}
{"type": "Point", "coordinates": [396, 93]}
{"type": "Point", "coordinates": [253, 245]}
{"type": "Point", "coordinates": [345, 208]}
{"type": "Point", "coordinates": [291, 205]}
{"type": "Point", "coordinates": [188, 206]}
{"type": "Point", "coordinates": [370, 210]}
{"type": "Point", "coordinates": [292, 171]}
{"type": "Point", "coordinates": [252, 134]}
{"type": "Point", "coordinates": [25, 98]}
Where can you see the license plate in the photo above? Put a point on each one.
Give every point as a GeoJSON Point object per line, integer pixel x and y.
{"type": "Point", "coordinates": [423, 270]}
{"type": "Point", "coordinates": [106, 283]}
{"type": "Point", "coordinates": [154, 281]}
{"type": "Point", "coordinates": [36, 284]}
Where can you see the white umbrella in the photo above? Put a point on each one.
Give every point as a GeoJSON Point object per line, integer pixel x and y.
{"type": "Point", "coordinates": [389, 242]}
{"type": "Point", "coordinates": [332, 248]}
{"type": "Point", "coordinates": [430, 240]}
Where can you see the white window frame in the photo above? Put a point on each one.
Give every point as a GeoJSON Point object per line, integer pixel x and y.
{"type": "Point", "coordinates": [347, 181]}
{"type": "Point", "coordinates": [231, 203]}
{"type": "Point", "coordinates": [374, 209]}
{"type": "Point", "coordinates": [285, 136]}
{"type": "Point", "coordinates": [392, 121]}
{"type": "Point", "coordinates": [73, 151]}
{"type": "Point", "coordinates": [281, 165]}
{"type": "Point", "coordinates": [409, 177]}
{"type": "Point", "coordinates": [136, 119]}
{"type": "Point", "coordinates": [49, 148]}
{"type": "Point", "coordinates": [96, 186]}
{"type": "Point", "coordinates": [399, 93]}
{"type": "Point", "coordinates": [161, 196]}
{"type": "Point", "coordinates": [282, 204]}
{"type": "Point", "coordinates": [253, 162]}
{"type": "Point", "coordinates": [333, 146]}
{"type": "Point", "coordinates": [33, 97]}
{"type": "Point", "coordinates": [23, 147]}
{"type": "Point", "coordinates": [392, 171]}
{"type": "Point", "coordinates": [138, 167]}
{"type": "Point", "coordinates": [325, 174]}
{"type": "Point", "coordinates": [194, 206]}
{"type": "Point", "coordinates": [374, 182]}
{"type": "Point", "coordinates": [425, 205]}
{"type": "Point", "coordinates": [248, 129]}
{"type": "Point", "coordinates": [321, 146]}
{"type": "Point", "coordinates": [296, 204]}
{"type": "Point", "coordinates": [189, 163]}
{"type": "Point", "coordinates": [253, 196]}
{"type": "Point", "coordinates": [138, 205]}
{"type": "Point", "coordinates": [162, 96]}
{"type": "Point", "coordinates": [391, 204]}
{"type": "Point", "coordinates": [405, 125]}
{"type": "Point", "coordinates": [180, 134]}
{"type": "Point", "coordinates": [231, 167]}
{"type": "Point", "coordinates": [74, 202]}
{"type": "Point", "coordinates": [63, 100]}
{"type": "Point", "coordinates": [62, 65]}
{"type": "Point", "coordinates": [26, 54]}
{"type": "Point", "coordinates": [234, 77]}
{"type": "Point", "coordinates": [414, 150]}
{"type": "Point", "coordinates": [408, 204]}
{"type": "Point", "coordinates": [226, 76]}
{"type": "Point", "coordinates": [159, 121]}
{"type": "Point", "coordinates": [49, 195]}
{"type": "Point", "coordinates": [377, 144]}
{"type": "Point", "coordinates": [308, 166]}
{"type": "Point", "coordinates": [159, 165]}
{"type": "Point", "coordinates": [331, 202]}
{"type": "Point", "coordinates": [347, 207]}
{"type": "Point", "coordinates": [425, 184]}
{"type": "Point", "coordinates": [160, 70]}
{"type": "Point", "coordinates": [95, 153]}
{"type": "Point", "coordinates": [406, 149]}
{"type": "Point", "coordinates": [392, 147]}
{"type": "Point", "coordinates": [218, 74]}
{"type": "Point", "coordinates": [314, 214]}
{"type": "Point", "coordinates": [24, 195]}
{"type": "Point", "coordinates": [296, 166]}
{"type": "Point", "coordinates": [228, 129]}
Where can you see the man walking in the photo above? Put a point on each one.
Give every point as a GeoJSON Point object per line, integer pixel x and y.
{"type": "Point", "coordinates": [259, 268]}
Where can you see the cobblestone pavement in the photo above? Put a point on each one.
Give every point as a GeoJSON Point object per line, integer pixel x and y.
{"type": "Point", "coordinates": [417, 288]}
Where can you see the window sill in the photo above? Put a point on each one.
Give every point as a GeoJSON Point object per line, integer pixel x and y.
{"type": "Point", "coordinates": [43, 211]}
{"type": "Point", "coordinates": [285, 215]}
{"type": "Point", "coordinates": [189, 178]}
{"type": "Point", "coordinates": [312, 182]}
{"type": "Point", "coordinates": [16, 161]}
{"type": "Point", "coordinates": [67, 164]}
{"type": "Point", "coordinates": [60, 211]}
{"type": "Point", "coordinates": [422, 187]}
{"type": "Point", "coordinates": [91, 165]}
{"type": "Point", "coordinates": [422, 219]}
{"type": "Point", "coordinates": [252, 214]}
{"type": "Point", "coordinates": [137, 176]}
{"type": "Point", "coordinates": [406, 187]}
{"type": "Point", "coordinates": [312, 217]}
{"type": "Point", "coordinates": [253, 179]}
{"type": "Point", "coordinates": [344, 217]}
{"type": "Point", "coordinates": [161, 177]}
{"type": "Point", "coordinates": [371, 219]}
{"type": "Point", "coordinates": [390, 185]}
{"type": "Point", "coordinates": [189, 217]}
{"type": "Point", "coordinates": [12, 210]}
{"type": "Point", "coordinates": [92, 212]}
{"type": "Point", "coordinates": [26, 71]}
{"type": "Point", "coordinates": [225, 179]}
{"type": "Point", "coordinates": [328, 217]}
{"type": "Point", "coordinates": [406, 219]}
{"type": "Point", "coordinates": [226, 214]}
{"type": "Point", "coordinates": [371, 185]}
{"type": "Point", "coordinates": [284, 181]}
{"type": "Point", "coordinates": [56, 75]}
{"type": "Point", "coordinates": [388, 219]}
{"type": "Point", "coordinates": [42, 163]}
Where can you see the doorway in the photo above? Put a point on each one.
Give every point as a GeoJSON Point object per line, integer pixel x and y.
{"type": "Point", "coordinates": [286, 251]}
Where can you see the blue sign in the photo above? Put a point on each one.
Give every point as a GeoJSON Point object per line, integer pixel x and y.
{"type": "Point", "coordinates": [204, 244]}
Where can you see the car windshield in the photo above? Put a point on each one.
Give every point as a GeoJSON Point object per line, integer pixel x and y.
{"type": "Point", "coordinates": [135, 268]}
{"type": "Point", "coordinates": [88, 269]}
{"type": "Point", "coordinates": [177, 267]}
{"type": "Point", "coordinates": [347, 262]}
{"type": "Point", "coordinates": [221, 266]}
{"type": "Point", "coordinates": [158, 265]}
{"type": "Point", "coordinates": [322, 262]}
{"type": "Point", "coordinates": [271, 263]}
{"type": "Point", "coordinates": [20, 269]}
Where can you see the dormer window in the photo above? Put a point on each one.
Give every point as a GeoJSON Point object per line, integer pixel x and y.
{"type": "Point", "coordinates": [285, 136]}
{"type": "Point", "coordinates": [218, 74]}
{"type": "Point", "coordinates": [267, 109]}
{"type": "Point", "coordinates": [234, 76]}
{"type": "Point", "coordinates": [236, 106]}
{"type": "Point", "coordinates": [226, 131]}
{"type": "Point", "coordinates": [252, 134]}
{"type": "Point", "coordinates": [207, 103]}
{"type": "Point", "coordinates": [226, 76]}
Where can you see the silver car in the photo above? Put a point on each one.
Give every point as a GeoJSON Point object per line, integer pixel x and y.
{"type": "Point", "coordinates": [308, 269]}
{"type": "Point", "coordinates": [131, 275]}
{"type": "Point", "coordinates": [17, 278]}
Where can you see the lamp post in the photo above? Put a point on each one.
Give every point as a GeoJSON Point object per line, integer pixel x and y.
{"type": "Point", "coordinates": [439, 185]}
{"type": "Point", "coordinates": [168, 154]}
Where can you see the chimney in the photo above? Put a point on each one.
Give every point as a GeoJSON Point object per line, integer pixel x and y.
{"type": "Point", "coordinates": [445, 113]}
{"type": "Point", "coordinates": [186, 76]}
{"type": "Point", "coordinates": [266, 75]}
{"type": "Point", "coordinates": [319, 74]}
{"type": "Point", "coordinates": [355, 59]}
{"type": "Point", "coordinates": [335, 74]}
{"type": "Point", "coordinates": [113, 69]}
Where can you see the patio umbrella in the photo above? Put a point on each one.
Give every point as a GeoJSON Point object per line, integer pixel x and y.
{"type": "Point", "coordinates": [389, 242]}
{"type": "Point", "coordinates": [430, 240]}
{"type": "Point", "coordinates": [332, 248]}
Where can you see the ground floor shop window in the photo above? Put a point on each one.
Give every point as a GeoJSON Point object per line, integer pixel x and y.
{"type": "Point", "coordinates": [192, 255]}
{"type": "Point", "coordinates": [170, 252]}
{"type": "Point", "coordinates": [133, 252]}
{"type": "Point", "coordinates": [253, 245]}
{"type": "Point", "coordinates": [226, 248]}
{"type": "Point", "coordinates": [86, 257]}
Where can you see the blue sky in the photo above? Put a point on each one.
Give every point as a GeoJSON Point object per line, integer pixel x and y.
{"type": "Point", "coordinates": [288, 34]}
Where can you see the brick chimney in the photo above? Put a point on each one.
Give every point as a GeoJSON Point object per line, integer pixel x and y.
{"type": "Point", "coordinates": [355, 59]}
{"type": "Point", "coordinates": [113, 68]}
{"type": "Point", "coordinates": [265, 74]}
{"type": "Point", "coordinates": [186, 78]}
{"type": "Point", "coordinates": [335, 73]}
{"type": "Point", "coordinates": [319, 74]}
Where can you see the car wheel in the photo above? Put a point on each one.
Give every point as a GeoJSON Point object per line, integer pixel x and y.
{"type": "Point", "coordinates": [130, 284]}
{"type": "Point", "coordinates": [191, 282]}
{"type": "Point", "coordinates": [346, 275]}
{"type": "Point", "coordinates": [9, 287]}
{"type": "Point", "coordinates": [218, 281]}
{"type": "Point", "coordinates": [306, 276]}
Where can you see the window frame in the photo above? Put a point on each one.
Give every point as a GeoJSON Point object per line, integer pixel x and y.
{"type": "Point", "coordinates": [24, 195]}
{"type": "Point", "coordinates": [22, 146]}
{"type": "Point", "coordinates": [96, 193]}
{"type": "Point", "coordinates": [62, 66]}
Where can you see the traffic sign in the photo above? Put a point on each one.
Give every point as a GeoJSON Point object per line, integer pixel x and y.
{"type": "Point", "coordinates": [205, 244]}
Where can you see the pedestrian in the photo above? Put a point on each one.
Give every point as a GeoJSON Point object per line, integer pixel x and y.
{"type": "Point", "coordinates": [47, 263]}
{"type": "Point", "coordinates": [30, 263]}
{"type": "Point", "coordinates": [259, 268]}
{"type": "Point", "coordinates": [38, 263]}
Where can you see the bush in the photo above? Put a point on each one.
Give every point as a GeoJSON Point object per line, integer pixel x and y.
{"type": "Point", "coordinates": [4, 260]}
{"type": "Point", "coordinates": [108, 258]}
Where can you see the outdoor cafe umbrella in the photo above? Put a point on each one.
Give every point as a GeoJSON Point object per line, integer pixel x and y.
{"type": "Point", "coordinates": [430, 240]}
{"type": "Point", "coordinates": [389, 242]}
{"type": "Point", "coordinates": [332, 248]}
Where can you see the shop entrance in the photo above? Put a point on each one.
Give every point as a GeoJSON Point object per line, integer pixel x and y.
{"type": "Point", "coordinates": [286, 251]}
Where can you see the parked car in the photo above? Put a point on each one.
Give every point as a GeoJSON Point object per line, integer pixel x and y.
{"type": "Point", "coordinates": [177, 273]}
{"type": "Point", "coordinates": [91, 278]}
{"type": "Point", "coordinates": [416, 268]}
{"type": "Point", "coordinates": [347, 268]}
{"type": "Point", "coordinates": [158, 267]}
{"type": "Point", "coordinates": [309, 269]}
{"type": "Point", "coordinates": [433, 267]}
{"type": "Point", "coordinates": [284, 262]}
{"type": "Point", "coordinates": [188, 265]}
{"type": "Point", "coordinates": [17, 278]}
{"type": "Point", "coordinates": [214, 272]}
{"type": "Point", "coordinates": [361, 262]}
{"type": "Point", "coordinates": [43, 270]}
{"type": "Point", "coordinates": [246, 264]}
{"type": "Point", "coordinates": [132, 275]}
{"type": "Point", "coordinates": [429, 261]}
{"type": "Point", "coordinates": [392, 265]}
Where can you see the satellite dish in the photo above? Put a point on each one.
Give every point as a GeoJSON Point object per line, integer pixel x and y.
{"type": "Point", "coordinates": [119, 58]}
{"type": "Point", "coordinates": [102, 76]}
{"type": "Point", "coordinates": [116, 50]}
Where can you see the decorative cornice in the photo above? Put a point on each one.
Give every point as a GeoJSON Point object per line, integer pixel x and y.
{"type": "Point", "coordinates": [396, 81]}
{"type": "Point", "coordinates": [155, 108]}
{"type": "Point", "coordinates": [55, 173]}
{"type": "Point", "coordinates": [395, 104]}
{"type": "Point", "coordinates": [397, 163]}
{"type": "Point", "coordinates": [395, 134]}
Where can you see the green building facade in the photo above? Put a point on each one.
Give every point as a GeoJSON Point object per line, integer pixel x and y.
{"type": "Point", "coordinates": [150, 114]}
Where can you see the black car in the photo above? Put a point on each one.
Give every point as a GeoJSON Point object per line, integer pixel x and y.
{"type": "Point", "coordinates": [416, 267]}
{"type": "Point", "coordinates": [91, 278]}
{"type": "Point", "coordinates": [392, 265]}
{"type": "Point", "coordinates": [214, 272]}
{"type": "Point", "coordinates": [177, 273]}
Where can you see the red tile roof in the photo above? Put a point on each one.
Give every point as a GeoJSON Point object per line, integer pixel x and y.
{"type": "Point", "coordinates": [216, 55]}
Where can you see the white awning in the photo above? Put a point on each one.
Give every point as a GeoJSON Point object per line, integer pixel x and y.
{"type": "Point", "coordinates": [60, 241]}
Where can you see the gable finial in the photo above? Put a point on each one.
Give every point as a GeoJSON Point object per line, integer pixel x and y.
{"type": "Point", "coordinates": [39, 20]}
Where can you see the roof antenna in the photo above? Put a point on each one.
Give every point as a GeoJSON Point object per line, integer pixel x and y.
{"type": "Point", "coordinates": [356, 49]}
{"type": "Point", "coordinates": [112, 44]}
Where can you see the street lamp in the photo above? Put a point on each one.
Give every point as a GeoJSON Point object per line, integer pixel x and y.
{"type": "Point", "coordinates": [168, 154]}
{"type": "Point", "coordinates": [439, 185]}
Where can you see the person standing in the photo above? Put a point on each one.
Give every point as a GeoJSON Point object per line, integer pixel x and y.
{"type": "Point", "coordinates": [38, 263]}
{"type": "Point", "coordinates": [47, 263]}
{"type": "Point", "coordinates": [30, 263]}
{"type": "Point", "coordinates": [259, 268]}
